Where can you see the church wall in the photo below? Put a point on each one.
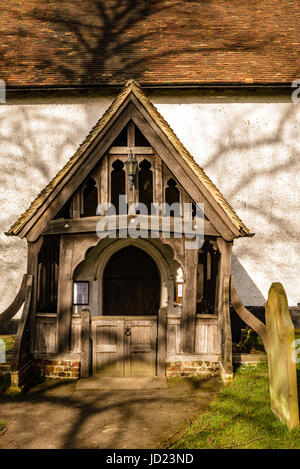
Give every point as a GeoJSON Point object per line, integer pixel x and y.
{"type": "Point", "coordinates": [248, 143]}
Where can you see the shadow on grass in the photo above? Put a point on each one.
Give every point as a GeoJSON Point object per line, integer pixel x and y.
{"type": "Point", "coordinates": [241, 417]}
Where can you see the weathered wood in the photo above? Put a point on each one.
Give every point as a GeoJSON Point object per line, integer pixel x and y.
{"type": "Point", "coordinates": [282, 357]}
{"type": "Point", "coordinates": [130, 134]}
{"type": "Point", "coordinates": [89, 224]}
{"type": "Point", "coordinates": [21, 348]}
{"type": "Point", "coordinates": [206, 334]}
{"type": "Point", "coordinates": [45, 333]}
{"type": "Point", "coordinates": [32, 269]}
{"type": "Point", "coordinates": [85, 343]}
{"type": "Point", "coordinates": [161, 341]}
{"type": "Point", "coordinates": [19, 377]}
{"type": "Point", "coordinates": [140, 347]}
{"type": "Point", "coordinates": [226, 355]}
{"type": "Point", "coordinates": [76, 334]}
{"type": "Point", "coordinates": [178, 248]}
{"type": "Point", "coordinates": [186, 177]}
{"type": "Point", "coordinates": [64, 302]}
{"type": "Point", "coordinates": [248, 318]}
{"type": "Point", "coordinates": [108, 331]}
{"type": "Point", "coordinates": [125, 150]}
{"type": "Point", "coordinates": [189, 302]}
{"type": "Point", "coordinates": [76, 204]}
{"type": "Point", "coordinates": [224, 326]}
{"type": "Point", "coordinates": [104, 190]}
{"type": "Point", "coordinates": [158, 186]}
{"type": "Point", "coordinates": [124, 346]}
{"type": "Point", "coordinates": [166, 151]}
{"type": "Point", "coordinates": [14, 307]}
{"type": "Point", "coordinates": [173, 335]}
{"type": "Point", "coordinates": [81, 169]}
{"type": "Point", "coordinates": [81, 244]}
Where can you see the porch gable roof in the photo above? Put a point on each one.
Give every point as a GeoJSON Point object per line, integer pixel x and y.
{"type": "Point", "coordinates": [134, 88]}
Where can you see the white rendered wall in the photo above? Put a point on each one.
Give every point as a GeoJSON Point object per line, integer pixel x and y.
{"type": "Point", "coordinates": [249, 145]}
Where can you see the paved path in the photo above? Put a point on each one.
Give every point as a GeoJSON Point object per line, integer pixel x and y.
{"type": "Point", "coordinates": [55, 415]}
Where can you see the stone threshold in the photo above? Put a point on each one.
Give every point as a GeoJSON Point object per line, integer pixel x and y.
{"type": "Point", "coordinates": [121, 383]}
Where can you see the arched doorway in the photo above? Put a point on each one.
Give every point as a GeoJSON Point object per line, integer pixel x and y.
{"type": "Point", "coordinates": [125, 336]}
{"type": "Point", "coordinates": [131, 284]}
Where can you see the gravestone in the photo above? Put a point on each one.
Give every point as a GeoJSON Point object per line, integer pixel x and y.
{"type": "Point", "coordinates": [282, 357]}
{"type": "Point", "coordinates": [2, 351]}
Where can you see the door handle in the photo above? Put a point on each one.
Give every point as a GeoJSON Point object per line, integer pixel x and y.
{"type": "Point", "coordinates": [127, 331]}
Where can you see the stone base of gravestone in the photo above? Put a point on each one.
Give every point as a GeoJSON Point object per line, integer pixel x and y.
{"type": "Point", "coordinates": [282, 357]}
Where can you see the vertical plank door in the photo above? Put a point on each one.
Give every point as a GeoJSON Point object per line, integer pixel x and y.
{"type": "Point", "coordinates": [140, 346]}
{"type": "Point", "coordinates": [108, 347]}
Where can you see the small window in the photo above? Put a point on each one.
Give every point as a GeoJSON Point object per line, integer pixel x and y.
{"type": "Point", "coordinates": [47, 276]}
{"type": "Point", "coordinates": [140, 139]}
{"type": "Point", "coordinates": [145, 176]}
{"type": "Point", "coordinates": [90, 199]}
{"type": "Point", "coordinates": [207, 274]}
{"type": "Point", "coordinates": [121, 140]}
{"type": "Point", "coordinates": [65, 212]}
{"type": "Point", "coordinates": [81, 293]}
{"type": "Point", "coordinates": [172, 195]}
{"type": "Point", "coordinates": [172, 192]}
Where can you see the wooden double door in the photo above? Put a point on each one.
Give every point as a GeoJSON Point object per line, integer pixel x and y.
{"type": "Point", "coordinates": [124, 346]}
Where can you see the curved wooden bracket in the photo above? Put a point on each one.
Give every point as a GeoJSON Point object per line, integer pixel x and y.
{"type": "Point", "coordinates": [14, 307]}
{"type": "Point", "coordinates": [249, 318]}
{"type": "Point", "coordinates": [21, 333]}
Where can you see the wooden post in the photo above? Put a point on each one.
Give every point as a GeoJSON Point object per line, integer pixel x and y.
{"type": "Point", "coordinates": [76, 204]}
{"type": "Point", "coordinates": [64, 302]}
{"type": "Point", "coordinates": [162, 342]}
{"type": "Point", "coordinates": [224, 325]}
{"type": "Point", "coordinates": [158, 180]}
{"type": "Point", "coordinates": [131, 134]}
{"type": "Point", "coordinates": [226, 358]}
{"type": "Point", "coordinates": [85, 343]}
{"type": "Point", "coordinates": [104, 188]}
{"type": "Point", "coordinates": [32, 264]}
{"type": "Point", "coordinates": [189, 302]}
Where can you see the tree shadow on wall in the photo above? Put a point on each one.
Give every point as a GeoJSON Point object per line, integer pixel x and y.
{"type": "Point", "coordinates": [283, 137]}
{"type": "Point", "coordinates": [107, 42]}
{"type": "Point", "coordinates": [34, 145]}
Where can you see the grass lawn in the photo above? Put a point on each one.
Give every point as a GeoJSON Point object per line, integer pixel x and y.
{"type": "Point", "coordinates": [241, 417]}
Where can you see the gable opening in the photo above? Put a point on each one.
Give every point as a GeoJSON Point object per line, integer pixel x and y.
{"type": "Point", "coordinates": [65, 212]}
{"type": "Point", "coordinates": [90, 199]}
{"type": "Point", "coordinates": [145, 184]}
{"type": "Point", "coordinates": [131, 136]}
{"type": "Point", "coordinates": [172, 196]}
{"type": "Point", "coordinates": [139, 138]}
{"type": "Point", "coordinates": [47, 277]}
{"type": "Point", "coordinates": [207, 273]}
{"type": "Point", "coordinates": [118, 181]}
{"type": "Point", "coordinates": [121, 140]}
